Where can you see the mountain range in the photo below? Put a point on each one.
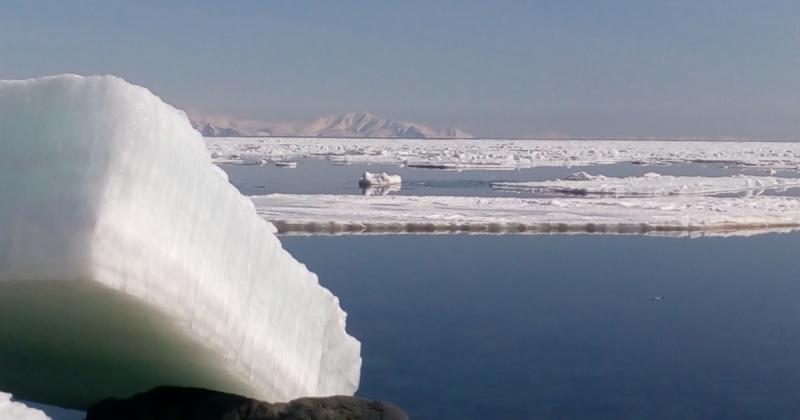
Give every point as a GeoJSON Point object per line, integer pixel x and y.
{"type": "Point", "coordinates": [353, 124]}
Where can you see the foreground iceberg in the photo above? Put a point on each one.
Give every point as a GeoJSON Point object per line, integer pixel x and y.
{"type": "Point", "coordinates": [101, 181]}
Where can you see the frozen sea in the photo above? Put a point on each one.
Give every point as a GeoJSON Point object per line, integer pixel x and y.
{"type": "Point", "coordinates": [556, 326]}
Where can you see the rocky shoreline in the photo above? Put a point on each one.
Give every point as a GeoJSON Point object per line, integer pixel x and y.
{"type": "Point", "coordinates": [175, 403]}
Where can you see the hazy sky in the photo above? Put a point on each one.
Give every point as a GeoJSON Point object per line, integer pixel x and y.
{"type": "Point", "coordinates": [600, 68]}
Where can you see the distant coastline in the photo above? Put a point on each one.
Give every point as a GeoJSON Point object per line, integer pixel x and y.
{"type": "Point", "coordinates": [353, 124]}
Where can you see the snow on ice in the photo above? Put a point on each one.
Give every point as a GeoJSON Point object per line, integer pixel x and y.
{"type": "Point", "coordinates": [677, 205]}
{"type": "Point", "coordinates": [508, 154]}
{"type": "Point", "coordinates": [383, 179]}
{"type": "Point", "coordinates": [650, 184]}
{"type": "Point", "coordinates": [676, 215]}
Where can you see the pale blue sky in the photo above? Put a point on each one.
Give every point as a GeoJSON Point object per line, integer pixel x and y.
{"type": "Point", "coordinates": [602, 68]}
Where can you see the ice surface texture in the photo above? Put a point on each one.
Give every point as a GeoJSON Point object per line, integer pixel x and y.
{"type": "Point", "coordinates": [675, 216]}
{"type": "Point", "coordinates": [650, 185]}
{"type": "Point", "coordinates": [101, 180]}
{"type": "Point", "coordinates": [509, 154]}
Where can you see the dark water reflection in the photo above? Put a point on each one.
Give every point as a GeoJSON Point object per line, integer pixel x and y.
{"type": "Point", "coordinates": [458, 326]}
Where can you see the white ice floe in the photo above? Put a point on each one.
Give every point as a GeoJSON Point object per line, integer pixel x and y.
{"type": "Point", "coordinates": [250, 160]}
{"type": "Point", "coordinates": [678, 215]}
{"type": "Point", "coordinates": [650, 184]}
{"type": "Point", "coordinates": [102, 181]}
{"type": "Point", "coordinates": [285, 164]}
{"type": "Point", "coordinates": [509, 154]}
{"type": "Point", "coordinates": [368, 179]}
{"type": "Point", "coordinates": [12, 410]}
{"type": "Point", "coordinates": [384, 190]}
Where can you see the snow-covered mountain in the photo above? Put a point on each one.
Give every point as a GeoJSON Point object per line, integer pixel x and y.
{"type": "Point", "coordinates": [210, 129]}
{"type": "Point", "coordinates": [363, 124]}
{"type": "Point", "coordinates": [354, 124]}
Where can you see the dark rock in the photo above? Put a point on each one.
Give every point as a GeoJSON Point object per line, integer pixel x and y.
{"type": "Point", "coordinates": [176, 403]}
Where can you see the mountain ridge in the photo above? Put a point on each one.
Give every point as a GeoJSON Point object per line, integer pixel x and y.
{"type": "Point", "coordinates": [351, 124]}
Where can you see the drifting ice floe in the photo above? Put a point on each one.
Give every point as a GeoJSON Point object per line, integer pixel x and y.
{"type": "Point", "coordinates": [282, 164]}
{"type": "Point", "coordinates": [678, 215]}
{"type": "Point", "coordinates": [650, 184]}
{"type": "Point", "coordinates": [509, 154]}
{"type": "Point", "coordinates": [253, 161]}
{"type": "Point", "coordinates": [380, 190]}
{"type": "Point", "coordinates": [383, 179]}
{"type": "Point", "coordinates": [101, 181]}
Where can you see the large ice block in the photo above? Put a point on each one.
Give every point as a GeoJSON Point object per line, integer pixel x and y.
{"type": "Point", "coordinates": [102, 181]}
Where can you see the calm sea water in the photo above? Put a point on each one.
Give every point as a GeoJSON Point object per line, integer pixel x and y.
{"type": "Point", "coordinates": [314, 176]}
{"type": "Point", "coordinates": [560, 326]}
{"type": "Point", "coordinates": [565, 326]}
